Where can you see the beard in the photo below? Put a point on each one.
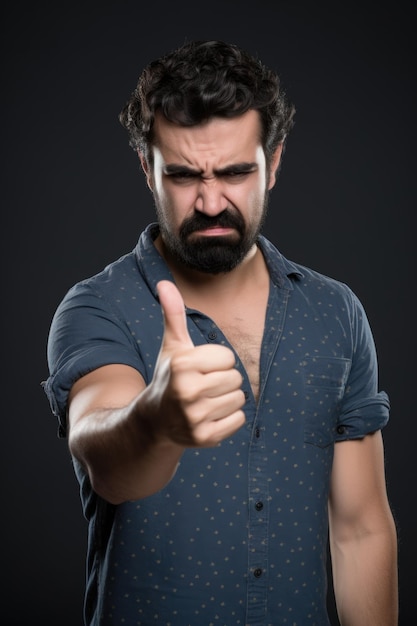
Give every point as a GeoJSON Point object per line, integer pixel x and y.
{"type": "Point", "coordinates": [211, 254]}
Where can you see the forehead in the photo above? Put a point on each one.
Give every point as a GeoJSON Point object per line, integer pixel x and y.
{"type": "Point", "coordinates": [218, 140]}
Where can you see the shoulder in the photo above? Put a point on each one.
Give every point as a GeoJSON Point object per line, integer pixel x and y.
{"type": "Point", "coordinates": [297, 276]}
{"type": "Point", "coordinates": [117, 277]}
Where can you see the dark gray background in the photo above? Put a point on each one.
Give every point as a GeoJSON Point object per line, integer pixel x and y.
{"type": "Point", "coordinates": [74, 199]}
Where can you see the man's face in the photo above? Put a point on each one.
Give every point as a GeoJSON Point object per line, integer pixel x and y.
{"type": "Point", "coordinates": [210, 185]}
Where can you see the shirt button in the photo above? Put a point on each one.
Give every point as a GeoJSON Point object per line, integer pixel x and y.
{"type": "Point", "coordinates": [341, 429]}
{"type": "Point", "coordinates": [212, 335]}
{"type": "Point", "coordinates": [259, 506]}
{"type": "Point", "coordinates": [257, 432]}
{"type": "Point", "coordinates": [258, 572]}
{"type": "Point", "coordinates": [246, 394]}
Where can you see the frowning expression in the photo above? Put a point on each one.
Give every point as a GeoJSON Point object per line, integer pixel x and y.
{"type": "Point", "coordinates": [210, 184]}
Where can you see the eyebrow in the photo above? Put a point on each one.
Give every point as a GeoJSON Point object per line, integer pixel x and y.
{"type": "Point", "coordinates": [235, 168]}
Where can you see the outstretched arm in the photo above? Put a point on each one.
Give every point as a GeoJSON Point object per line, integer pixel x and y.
{"type": "Point", "coordinates": [362, 535]}
{"type": "Point", "coordinates": [130, 437]}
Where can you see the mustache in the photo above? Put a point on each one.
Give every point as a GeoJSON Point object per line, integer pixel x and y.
{"type": "Point", "coordinates": [201, 221]}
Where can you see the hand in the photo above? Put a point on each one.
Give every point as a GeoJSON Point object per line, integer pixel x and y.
{"type": "Point", "coordinates": [195, 397]}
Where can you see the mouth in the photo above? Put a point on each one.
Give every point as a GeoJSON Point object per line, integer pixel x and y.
{"type": "Point", "coordinates": [214, 231]}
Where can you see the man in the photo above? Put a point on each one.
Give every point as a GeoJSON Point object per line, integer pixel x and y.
{"type": "Point", "coordinates": [220, 401]}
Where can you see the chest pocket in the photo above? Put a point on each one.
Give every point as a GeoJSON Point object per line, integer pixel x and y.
{"type": "Point", "coordinates": [324, 385]}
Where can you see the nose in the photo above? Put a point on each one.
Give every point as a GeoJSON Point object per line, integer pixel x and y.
{"type": "Point", "coordinates": [210, 196]}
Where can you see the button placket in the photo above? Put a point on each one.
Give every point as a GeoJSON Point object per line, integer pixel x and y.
{"type": "Point", "coordinates": [258, 529]}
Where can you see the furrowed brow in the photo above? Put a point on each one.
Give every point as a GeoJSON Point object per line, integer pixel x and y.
{"type": "Point", "coordinates": [234, 168]}
{"type": "Point", "coordinates": [237, 168]}
{"type": "Point", "coordinates": [173, 168]}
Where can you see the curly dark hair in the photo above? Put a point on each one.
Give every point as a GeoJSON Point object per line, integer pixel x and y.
{"type": "Point", "coordinates": [205, 79]}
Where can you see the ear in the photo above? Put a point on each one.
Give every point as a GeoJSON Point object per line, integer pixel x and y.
{"type": "Point", "coordinates": [274, 166]}
{"type": "Point", "coordinates": [147, 170]}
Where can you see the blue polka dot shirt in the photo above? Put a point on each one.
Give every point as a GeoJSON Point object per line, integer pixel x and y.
{"type": "Point", "coordinates": [239, 535]}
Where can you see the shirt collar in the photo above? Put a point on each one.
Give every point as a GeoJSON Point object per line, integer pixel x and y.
{"type": "Point", "coordinates": [281, 270]}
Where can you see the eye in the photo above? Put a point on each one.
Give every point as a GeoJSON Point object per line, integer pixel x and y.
{"type": "Point", "coordinates": [237, 176]}
{"type": "Point", "coordinates": [182, 177]}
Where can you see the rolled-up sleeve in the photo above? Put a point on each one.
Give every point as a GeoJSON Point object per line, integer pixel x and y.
{"type": "Point", "coordinates": [364, 409]}
{"type": "Point", "coordinates": [86, 333]}
{"type": "Point", "coordinates": [367, 416]}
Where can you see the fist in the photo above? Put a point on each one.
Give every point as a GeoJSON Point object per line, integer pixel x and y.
{"type": "Point", "coordinates": [195, 398]}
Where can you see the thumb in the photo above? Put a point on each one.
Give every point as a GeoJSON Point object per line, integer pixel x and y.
{"type": "Point", "coordinates": [175, 320]}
